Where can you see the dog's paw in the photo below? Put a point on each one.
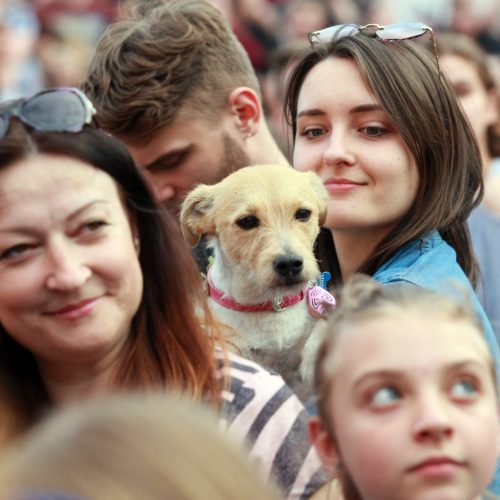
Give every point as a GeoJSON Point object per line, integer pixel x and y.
{"type": "Point", "coordinates": [310, 351]}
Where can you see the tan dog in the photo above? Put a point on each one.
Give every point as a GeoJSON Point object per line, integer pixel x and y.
{"type": "Point", "coordinates": [262, 222]}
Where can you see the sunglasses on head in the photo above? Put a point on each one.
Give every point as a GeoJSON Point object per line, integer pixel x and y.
{"type": "Point", "coordinates": [389, 33]}
{"type": "Point", "coordinates": [62, 109]}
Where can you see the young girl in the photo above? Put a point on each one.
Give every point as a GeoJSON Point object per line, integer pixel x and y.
{"type": "Point", "coordinates": [406, 395]}
{"type": "Point", "coordinates": [372, 114]}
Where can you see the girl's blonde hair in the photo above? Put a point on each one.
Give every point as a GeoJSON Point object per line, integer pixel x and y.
{"type": "Point", "coordinates": [131, 446]}
{"type": "Point", "coordinates": [362, 300]}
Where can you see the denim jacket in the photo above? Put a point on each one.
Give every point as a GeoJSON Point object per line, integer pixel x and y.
{"type": "Point", "coordinates": [431, 263]}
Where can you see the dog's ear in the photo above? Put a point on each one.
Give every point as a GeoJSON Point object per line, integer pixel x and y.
{"type": "Point", "coordinates": [195, 214]}
{"type": "Point", "coordinates": [322, 194]}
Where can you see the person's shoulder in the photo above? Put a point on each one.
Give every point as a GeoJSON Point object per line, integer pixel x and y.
{"type": "Point", "coordinates": [235, 366]}
{"type": "Point", "coordinates": [260, 409]}
{"type": "Point", "coordinates": [421, 262]}
{"type": "Point", "coordinates": [247, 383]}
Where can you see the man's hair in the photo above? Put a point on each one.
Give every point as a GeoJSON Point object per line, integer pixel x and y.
{"type": "Point", "coordinates": [179, 54]}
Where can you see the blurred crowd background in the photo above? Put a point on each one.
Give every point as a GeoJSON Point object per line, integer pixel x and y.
{"type": "Point", "coordinates": [46, 43]}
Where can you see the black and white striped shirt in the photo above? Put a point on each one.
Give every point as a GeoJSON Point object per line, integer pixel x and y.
{"type": "Point", "coordinates": [262, 411]}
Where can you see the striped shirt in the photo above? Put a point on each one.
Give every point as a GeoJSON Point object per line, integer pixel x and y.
{"type": "Point", "coordinates": [262, 411]}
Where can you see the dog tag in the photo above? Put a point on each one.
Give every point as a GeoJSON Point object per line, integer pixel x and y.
{"type": "Point", "coordinates": [324, 278]}
{"type": "Point", "coordinates": [319, 300]}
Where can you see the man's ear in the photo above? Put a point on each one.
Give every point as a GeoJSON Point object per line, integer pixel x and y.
{"type": "Point", "coordinates": [325, 447]}
{"type": "Point", "coordinates": [195, 215]}
{"type": "Point", "coordinates": [245, 105]}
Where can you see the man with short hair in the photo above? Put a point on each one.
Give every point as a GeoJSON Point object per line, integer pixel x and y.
{"type": "Point", "coordinates": [177, 87]}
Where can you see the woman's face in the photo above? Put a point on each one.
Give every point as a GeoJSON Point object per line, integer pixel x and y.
{"type": "Point", "coordinates": [70, 279]}
{"type": "Point", "coordinates": [478, 104]}
{"type": "Point", "coordinates": [414, 419]}
{"type": "Point", "coordinates": [344, 135]}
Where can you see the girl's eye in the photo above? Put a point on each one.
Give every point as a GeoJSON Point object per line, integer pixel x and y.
{"type": "Point", "coordinates": [385, 396]}
{"type": "Point", "coordinates": [464, 389]}
{"type": "Point", "coordinates": [374, 131]}
{"type": "Point", "coordinates": [16, 252]}
{"type": "Point", "coordinates": [312, 133]}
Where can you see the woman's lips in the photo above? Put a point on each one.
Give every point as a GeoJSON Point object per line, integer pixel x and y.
{"type": "Point", "coordinates": [341, 185]}
{"type": "Point", "coordinates": [75, 310]}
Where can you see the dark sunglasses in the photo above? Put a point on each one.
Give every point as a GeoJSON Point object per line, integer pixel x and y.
{"type": "Point", "coordinates": [389, 33]}
{"type": "Point", "coordinates": [61, 109]}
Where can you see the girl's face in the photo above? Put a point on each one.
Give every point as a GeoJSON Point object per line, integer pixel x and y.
{"type": "Point", "coordinates": [414, 409]}
{"type": "Point", "coordinates": [344, 135]}
{"type": "Point", "coordinates": [70, 280]}
{"type": "Point", "coordinates": [478, 104]}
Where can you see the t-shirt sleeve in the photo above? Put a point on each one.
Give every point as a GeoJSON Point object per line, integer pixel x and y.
{"type": "Point", "coordinates": [262, 411]}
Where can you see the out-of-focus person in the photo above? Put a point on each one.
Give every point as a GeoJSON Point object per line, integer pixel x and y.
{"type": "Point", "coordinates": [467, 67]}
{"type": "Point", "coordinates": [20, 71]}
{"type": "Point", "coordinates": [128, 447]}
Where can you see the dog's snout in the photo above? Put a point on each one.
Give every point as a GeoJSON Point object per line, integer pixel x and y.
{"type": "Point", "coordinates": [288, 265]}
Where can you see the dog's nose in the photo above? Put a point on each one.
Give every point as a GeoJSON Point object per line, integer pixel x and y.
{"type": "Point", "coordinates": [288, 265]}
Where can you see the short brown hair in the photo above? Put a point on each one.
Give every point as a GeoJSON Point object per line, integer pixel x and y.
{"type": "Point", "coordinates": [148, 66]}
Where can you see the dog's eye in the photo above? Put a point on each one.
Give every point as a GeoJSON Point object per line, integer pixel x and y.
{"type": "Point", "coordinates": [302, 214]}
{"type": "Point", "coordinates": [248, 222]}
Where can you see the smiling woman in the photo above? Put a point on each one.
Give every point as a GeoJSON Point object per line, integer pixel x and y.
{"type": "Point", "coordinates": [387, 136]}
{"type": "Point", "coordinates": [373, 115]}
{"type": "Point", "coordinates": [68, 262]}
{"type": "Point", "coordinates": [99, 294]}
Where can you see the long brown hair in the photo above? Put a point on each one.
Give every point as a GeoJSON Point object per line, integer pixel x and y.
{"type": "Point", "coordinates": [173, 335]}
{"type": "Point", "coordinates": [422, 107]}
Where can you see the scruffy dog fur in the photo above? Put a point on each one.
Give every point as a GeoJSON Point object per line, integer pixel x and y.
{"type": "Point", "coordinates": [262, 222]}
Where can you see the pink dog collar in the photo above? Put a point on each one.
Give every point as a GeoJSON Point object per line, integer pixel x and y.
{"type": "Point", "coordinates": [271, 305]}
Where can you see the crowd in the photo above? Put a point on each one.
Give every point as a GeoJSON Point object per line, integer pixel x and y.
{"type": "Point", "coordinates": [117, 379]}
{"type": "Point", "coordinates": [52, 41]}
